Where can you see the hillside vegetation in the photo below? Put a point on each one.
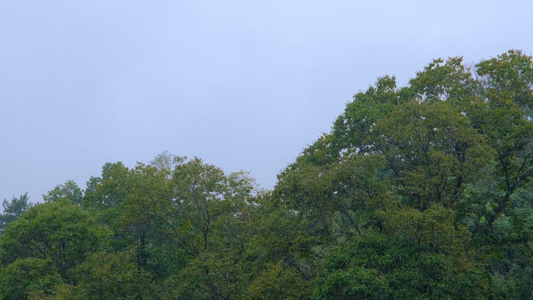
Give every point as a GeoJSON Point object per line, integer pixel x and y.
{"type": "Point", "coordinates": [419, 192]}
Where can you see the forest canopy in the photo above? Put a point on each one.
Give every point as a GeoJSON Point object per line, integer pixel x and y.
{"type": "Point", "coordinates": [417, 192]}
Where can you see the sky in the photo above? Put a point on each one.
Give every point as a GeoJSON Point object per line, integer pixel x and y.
{"type": "Point", "coordinates": [244, 85]}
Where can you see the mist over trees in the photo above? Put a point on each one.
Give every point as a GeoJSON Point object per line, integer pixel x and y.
{"type": "Point", "coordinates": [417, 192]}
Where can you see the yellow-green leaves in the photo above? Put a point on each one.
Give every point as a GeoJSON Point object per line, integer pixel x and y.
{"type": "Point", "coordinates": [432, 150]}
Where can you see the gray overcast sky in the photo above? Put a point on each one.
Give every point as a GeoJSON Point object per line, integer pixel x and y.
{"type": "Point", "coordinates": [241, 84]}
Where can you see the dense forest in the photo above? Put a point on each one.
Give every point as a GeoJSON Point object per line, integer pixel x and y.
{"type": "Point", "coordinates": [417, 192]}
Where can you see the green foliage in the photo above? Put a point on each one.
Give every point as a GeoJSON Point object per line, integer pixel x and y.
{"type": "Point", "coordinates": [419, 255]}
{"type": "Point", "coordinates": [112, 276]}
{"type": "Point", "coordinates": [13, 210]}
{"type": "Point", "coordinates": [450, 192]}
{"type": "Point", "coordinates": [279, 282]}
{"type": "Point", "coordinates": [434, 155]}
{"type": "Point", "coordinates": [69, 190]}
{"type": "Point", "coordinates": [420, 192]}
{"type": "Point", "coordinates": [508, 78]}
{"type": "Point", "coordinates": [211, 210]}
{"type": "Point", "coordinates": [57, 231]}
{"type": "Point", "coordinates": [106, 192]}
{"type": "Point", "coordinates": [448, 81]}
{"type": "Point", "coordinates": [28, 274]}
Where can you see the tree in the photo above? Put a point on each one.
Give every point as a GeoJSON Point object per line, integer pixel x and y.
{"type": "Point", "coordinates": [184, 222]}
{"type": "Point", "coordinates": [434, 155]}
{"type": "Point", "coordinates": [420, 192]}
{"type": "Point", "coordinates": [108, 276]}
{"type": "Point", "coordinates": [69, 190]}
{"type": "Point", "coordinates": [59, 232]}
{"type": "Point", "coordinates": [208, 222]}
{"type": "Point", "coordinates": [26, 275]}
{"type": "Point", "coordinates": [455, 142]}
{"type": "Point", "coordinates": [13, 210]}
{"type": "Point", "coordinates": [135, 204]}
{"type": "Point", "coordinates": [418, 255]}
{"type": "Point", "coordinates": [166, 161]}
{"type": "Point", "coordinates": [449, 81]}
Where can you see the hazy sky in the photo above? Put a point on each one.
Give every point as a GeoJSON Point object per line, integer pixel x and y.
{"type": "Point", "coordinates": [241, 84]}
